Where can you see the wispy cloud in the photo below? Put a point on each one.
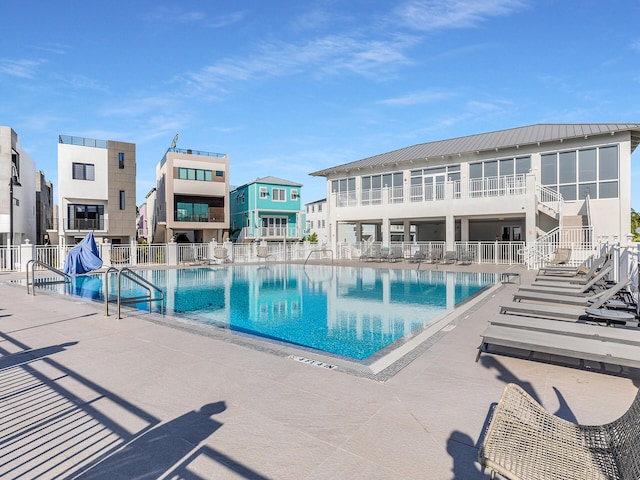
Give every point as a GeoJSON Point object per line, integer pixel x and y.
{"type": "Point", "coordinates": [138, 106]}
{"type": "Point", "coordinates": [429, 15]}
{"type": "Point", "coordinates": [83, 82]}
{"type": "Point", "coordinates": [635, 45]}
{"type": "Point", "coordinates": [327, 55]}
{"type": "Point", "coordinates": [19, 68]}
{"type": "Point", "coordinates": [174, 14]}
{"type": "Point", "coordinates": [418, 98]}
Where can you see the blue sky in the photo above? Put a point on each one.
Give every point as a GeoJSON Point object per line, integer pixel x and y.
{"type": "Point", "coordinates": [287, 88]}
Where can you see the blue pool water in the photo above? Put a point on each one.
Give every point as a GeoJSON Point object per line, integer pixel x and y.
{"type": "Point", "coordinates": [348, 311]}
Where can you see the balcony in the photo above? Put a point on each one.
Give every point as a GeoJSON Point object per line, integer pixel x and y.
{"type": "Point", "coordinates": [503, 186]}
{"type": "Point", "coordinates": [85, 224]}
{"type": "Point", "coordinates": [271, 233]}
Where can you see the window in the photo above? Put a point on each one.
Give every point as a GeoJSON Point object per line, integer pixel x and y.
{"type": "Point", "coordinates": [294, 194]}
{"type": "Point", "coordinates": [85, 217]}
{"type": "Point", "coordinates": [121, 199]}
{"type": "Point", "coordinates": [278, 194]}
{"type": "Point", "coordinates": [345, 191]}
{"type": "Point", "coordinates": [195, 174]}
{"type": "Point", "coordinates": [264, 193]}
{"type": "Point", "coordinates": [83, 171]}
{"type": "Point", "coordinates": [428, 184]}
{"type": "Point", "coordinates": [219, 173]}
{"type": "Point", "coordinates": [372, 187]}
{"type": "Point", "coordinates": [121, 160]}
{"type": "Point", "coordinates": [577, 174]}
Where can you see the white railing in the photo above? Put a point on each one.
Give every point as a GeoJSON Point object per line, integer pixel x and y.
{"type": "Point", "coordinates": [550, 199]}
{"type": "Point", "coordinates": [578, 239]}
{"type": "Point", "coordinates": [503, 186]}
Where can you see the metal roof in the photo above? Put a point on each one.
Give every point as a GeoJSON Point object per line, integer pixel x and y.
{"type": "Point", "coordinates": [271, 181]}
{"type": "Point", "coordinates": [510, 138]}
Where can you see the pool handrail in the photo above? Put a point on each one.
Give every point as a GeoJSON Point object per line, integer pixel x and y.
{"type": "Point", "coordinates": [109, 270]}
{"type": "Point", "coordinates": [319, 250]}
{"type": "Point", "coordinates": [32, 263]}
{"type": "Point", "coordinates": [142, 282]}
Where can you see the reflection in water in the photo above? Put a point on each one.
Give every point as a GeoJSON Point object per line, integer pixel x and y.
{"type": "Point", "coordinates": [349, 311]}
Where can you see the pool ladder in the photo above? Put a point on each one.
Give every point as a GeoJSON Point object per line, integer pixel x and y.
{"type": "Point", "coordinates": [130, 275]}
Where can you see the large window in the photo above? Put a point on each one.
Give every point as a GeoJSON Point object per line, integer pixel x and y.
{"type": "Point", "coordinates": [83, 171]}
{"type": "Point", "coordinates": [195, 174]}
{"type": "Point", "coordinates": [121, 160]}
{"type": "Point", "coordinates": [496, 177]}
{"type": "Point", "coordinates": [345, 191]}
{"type": "Point", "coordinates": [85, 217]}
{"type": "Point", "coordinates": [577, 174]}
{"type": "Point", "coordinates": [198, 209]}
{"type": "Point", "coordinates": [372, 186]}
{"type": "Point", "coordinates": [428, 183]}
{"type": "Point", "coordinates": [122, 200]}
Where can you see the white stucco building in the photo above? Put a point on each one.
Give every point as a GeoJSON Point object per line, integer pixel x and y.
{"type": "Point", "coordinates": [520, 184]}
{"type": "Point", "coordinates": [96, 190]}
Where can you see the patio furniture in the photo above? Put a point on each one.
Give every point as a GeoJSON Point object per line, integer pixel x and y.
{"type": "Point", "coordinates": [450, 257]}
{"type": "Point", "coordinates": [465, 257]}
{"type": "Point", "coordinates": [571, 289]}
{"type": "Point", "coordinates": [561, 256]}
{"type": "Point", "coordinates": [563, 298]}
{"type": "Point", "coordinates": [220, 255]}
{"type": "Point", "coordinates": [524, 441]}
{"type": "Point", "coordinates": [584, 341]}
{"type": "Point", "coordinates": [262, 252]}
{"type": "Point", "coordinates": [579, 275]}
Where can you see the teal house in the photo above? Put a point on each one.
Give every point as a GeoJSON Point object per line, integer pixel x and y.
{"type": "Point", "coordinates": [267, 208]}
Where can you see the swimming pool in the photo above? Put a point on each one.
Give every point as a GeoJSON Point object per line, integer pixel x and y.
{"type": "Point", "coordinates": [352, 312]}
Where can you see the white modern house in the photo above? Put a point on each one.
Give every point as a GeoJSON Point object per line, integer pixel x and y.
{"type": "Point", "coordinates": [96, 190]}
{"type": "Point", "coordinates": [544, 183]}
{"type": "Point", "coordinates": [17, 191]}
{"type": "Point", "coordinates": [316, 220]}
{"type": "Point", "coordinates": [191, 198]}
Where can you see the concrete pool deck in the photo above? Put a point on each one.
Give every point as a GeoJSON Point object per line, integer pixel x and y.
{"type": "Point", "coordinates": [88, 396]}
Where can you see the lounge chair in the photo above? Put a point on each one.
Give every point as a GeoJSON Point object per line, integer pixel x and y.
{"type": "Point", "coordinates": [263, 253]}
{"type": "Point", "coordinates": [524, 441]}
{"type": "Point", "coordinates": [220, 255]}
{"type": "Point", "coordinates": [466, 258]}
{"type": "Point", "coordinates": [578, 276]}
{"type": "Point", "coordinates": [561, 256]}
{"type": "Point", "coordinates": [596, 310]}
{"type": "Point", "coordinates": [584, 301]}
{"type": "Point", "coordinates": [571, 289]}
{"type": "Point", "coordinates": [450, 257]}
{"type": "Point", "coordinates": [417, 257]}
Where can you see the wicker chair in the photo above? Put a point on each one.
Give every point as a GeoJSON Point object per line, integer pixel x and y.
{"type": "Point", "coordinates": [524, 441]}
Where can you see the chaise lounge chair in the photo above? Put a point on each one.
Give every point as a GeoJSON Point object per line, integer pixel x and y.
{"type": "Point", "coordinates": [560, 298]}
{"type": "Point", "coordinates": [561, 257]}
{"type": "Point", "coordinates": [524, 441]}
{"type": "Point", "coordinates": [571, 289]}
{"type": "Point", "coordinates": [580, 275]}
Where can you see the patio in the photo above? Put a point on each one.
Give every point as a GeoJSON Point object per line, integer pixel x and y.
{"type": "Point", "coordinates": [86, 396]}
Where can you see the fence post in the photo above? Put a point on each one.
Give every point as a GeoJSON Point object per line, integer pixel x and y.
{"type": "Point", "coordinates": [172, 253]}
{"type": "Point", "coordinates": [27, 253]}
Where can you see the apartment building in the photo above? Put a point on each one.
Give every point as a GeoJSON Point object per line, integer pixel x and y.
{"type": "Point", "coordinates": [512, 185]}
{"type": "Point", "coordinates": [17, 191]}
{"type": "Point", "coordinates": [96, 190]}
{"type": "Point", "coordinates": [191, 197]}
{"type": "Point", "coordinates": [267, 208]}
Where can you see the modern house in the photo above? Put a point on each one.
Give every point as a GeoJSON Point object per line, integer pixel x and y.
{"type": "Point", "coordinates": [96, 190]}
{"type": "Point", "coordinates": [191, 197]}
{"type": "Point", "coordinates": [267, 208]}
{"type": "Point", "coordinates": [17, 191]}
{"type": "Point", "coordinates": [554, 182]}
{"type": "Point", "coordinates": [316, 220]}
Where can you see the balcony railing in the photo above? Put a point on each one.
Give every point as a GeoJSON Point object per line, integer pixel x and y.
{"type": "Point", "coordinates": [503, 186]}
{"type": "Point", "coordinates": [85, 223]}
{"type": "Point", "coordinates": [271, 233]}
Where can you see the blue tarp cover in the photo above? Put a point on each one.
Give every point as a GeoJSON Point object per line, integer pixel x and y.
{"type": "Point", "coordinates": [83, 258]}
